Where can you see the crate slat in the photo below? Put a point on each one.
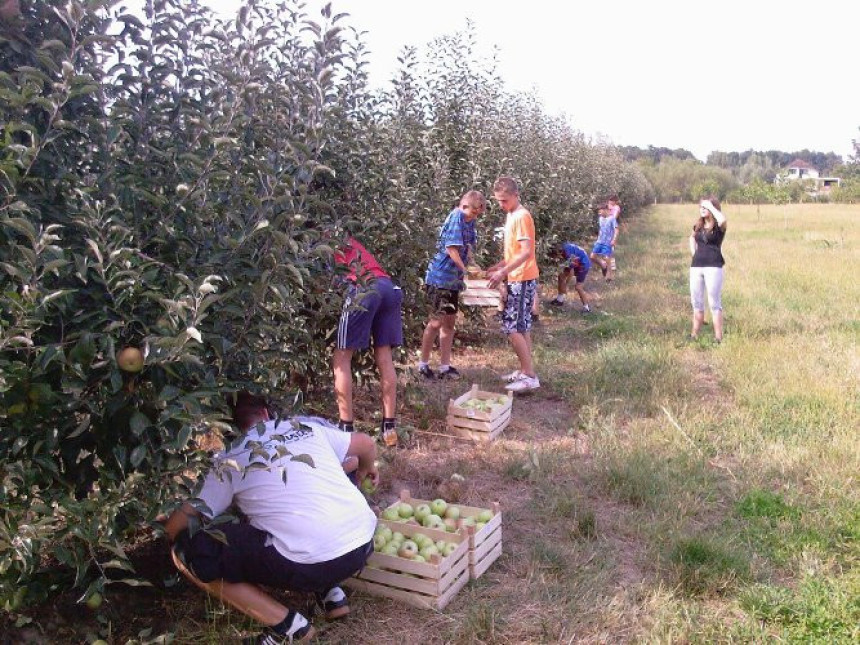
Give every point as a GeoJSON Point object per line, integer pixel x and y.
{"type": "Point", "coordinates": [428, 585]}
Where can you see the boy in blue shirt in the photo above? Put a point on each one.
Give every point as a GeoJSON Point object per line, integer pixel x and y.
{"type": "Point", "coordinates": [576, 263]}
{"type": "Point", "coordinates": [444, 282]}
{"type": "Point", "coordinates": [606, 237]}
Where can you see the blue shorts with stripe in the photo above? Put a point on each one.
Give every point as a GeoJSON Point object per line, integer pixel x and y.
{"type": "Point", "coordinates": [370, 311]}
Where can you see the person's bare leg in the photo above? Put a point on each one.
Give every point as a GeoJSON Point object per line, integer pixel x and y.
{"type": "Point", "coordinates": [342, 366]}
{"type": "Point", "coordinates": [522, 347]}
{"type": "Point", "coordinates": [717, 317]}
{"type": "Point", "coordinates": [388, 380]}
{"type": "Point", "coordinates": [429, 338]}
{"type": "Point", "coordinates": [446, 338]}
{"type": "Point", "coordinates": [698, 318]}
{"type": "Point", "coordinates": [583, 294]}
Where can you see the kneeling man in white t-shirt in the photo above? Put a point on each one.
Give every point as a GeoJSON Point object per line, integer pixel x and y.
{"type": "Point", "coordinates": [308, 527]}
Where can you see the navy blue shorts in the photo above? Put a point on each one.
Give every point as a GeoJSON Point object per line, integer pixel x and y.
{"type": "Point", "coordinates": [371, 310]}
{"type": "Point", "coordinates": [246, 558]}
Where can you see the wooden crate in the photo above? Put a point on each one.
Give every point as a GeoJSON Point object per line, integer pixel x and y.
{"type": "Point", "coordinates": [426, 585]}
{"type": "Point", "coordinates": [479, 293]}
{"type": "Point", "coordinates": [480, 425]}
{"type": "Point", "coordinates": [485, 545]}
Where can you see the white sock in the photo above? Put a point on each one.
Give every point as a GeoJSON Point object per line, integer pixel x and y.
{"type": "Point", "coordinates": [444, 368]}
{"type": "Point", "coordinates": [561, 297]}
{"type": "Point", "coordinates": [422, 364]}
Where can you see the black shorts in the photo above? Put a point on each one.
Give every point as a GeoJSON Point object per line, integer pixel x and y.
{"type": "Point", "coordinates": [246, 558]}
{"type": "Point", "coordinates": [443, 302]}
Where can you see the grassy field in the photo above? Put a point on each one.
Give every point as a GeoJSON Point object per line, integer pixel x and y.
{"type": "Point", "coordinates": [654, 489]}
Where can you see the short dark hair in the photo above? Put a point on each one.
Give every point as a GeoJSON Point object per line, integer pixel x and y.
{"type": "Point", "coordinates": [506, 185]}
{"type": "Point", "coordinates": [247, 408]}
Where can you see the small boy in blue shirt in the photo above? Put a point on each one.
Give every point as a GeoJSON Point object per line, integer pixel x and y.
{"type": "Point", "coordinates": [444, 282]}
{"type": "Point", "coordinates": [576, 263]}
{"type": "Point", "coordinates": [606, 237]}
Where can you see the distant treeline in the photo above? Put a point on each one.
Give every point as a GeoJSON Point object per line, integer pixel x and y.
{"type": "Point", "coordinates": [777, 160]}
{"type": "Point", "coordinates": [752, 176]}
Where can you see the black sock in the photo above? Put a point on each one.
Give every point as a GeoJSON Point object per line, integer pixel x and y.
{"type": "Point", "coordinates": [346, 426]}
{"type": "Point", "coordinates": [389, 423]}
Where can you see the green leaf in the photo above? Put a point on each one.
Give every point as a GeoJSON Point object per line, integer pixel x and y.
{"type": "Point", "coordinates": [138, 455]}
{"type": "Point", "coordinates": [138, 423]}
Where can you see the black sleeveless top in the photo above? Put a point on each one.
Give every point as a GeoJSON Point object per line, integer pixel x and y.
{"type": "Point", "coordinates": [708, 248]}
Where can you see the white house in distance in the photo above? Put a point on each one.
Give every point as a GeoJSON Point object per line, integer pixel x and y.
{"type": "Point", "coordinates": [800, 170]}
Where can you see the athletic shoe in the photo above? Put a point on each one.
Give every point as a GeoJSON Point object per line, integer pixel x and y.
{"type": "Point", "coordinates": [300, 630]}
{"type": "Point", "coordinates": [513, 376]}
{"type": "Point", "coordinates": [451, 374]}
{"type": "Point", "coordinates": [586, 309]}
{"type": "Point", "coordinates": [426, 372]}
{"type": "Point", "coordinates": [334, 603]}
{"type": "Point", "coordinates": [523, 383]}
{"type": "Point", "coordinates": [555, 302]}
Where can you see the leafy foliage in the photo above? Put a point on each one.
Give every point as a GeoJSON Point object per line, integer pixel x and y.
{"type": "Point", "coordinates": [178, 183]}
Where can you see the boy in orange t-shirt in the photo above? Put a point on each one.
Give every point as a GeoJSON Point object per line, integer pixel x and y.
{"type": "Point", "coordinates": [520, 269]}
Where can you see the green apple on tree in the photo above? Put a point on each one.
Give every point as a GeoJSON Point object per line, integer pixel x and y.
{"type": "Point", "coordinates": [130, 359]}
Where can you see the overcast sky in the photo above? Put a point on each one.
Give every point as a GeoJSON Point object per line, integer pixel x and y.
{"type": "Point", "coordinates": [729, 75]}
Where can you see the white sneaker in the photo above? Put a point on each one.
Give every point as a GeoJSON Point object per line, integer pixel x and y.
{"type": "Point", "coordinates": [523, 383]}
{"type": "Point", "coordinates": [513, 376]}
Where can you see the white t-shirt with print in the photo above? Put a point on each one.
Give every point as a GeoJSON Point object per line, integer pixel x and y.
{"type": "Point", "coordinates": [317, 514]}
